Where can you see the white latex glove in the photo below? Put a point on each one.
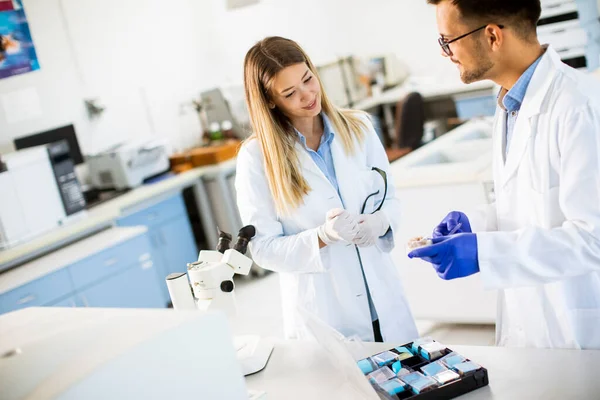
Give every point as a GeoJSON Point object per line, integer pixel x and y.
{"type": "Point", "coordinates": [339, 225]}
{"type": "Point", "coordinates": [370, 228]}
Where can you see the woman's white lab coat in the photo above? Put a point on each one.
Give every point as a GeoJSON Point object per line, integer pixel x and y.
{"type": "Point", "coordinates": [328, 282]}
{"type": "Point", "coordinates": [545, 255]}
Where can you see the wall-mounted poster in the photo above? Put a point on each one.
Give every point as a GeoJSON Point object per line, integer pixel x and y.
{"type": "Point", "coordinates": [17, 54]}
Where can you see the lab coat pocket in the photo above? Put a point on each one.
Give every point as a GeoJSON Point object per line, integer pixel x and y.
{"type": "Point", "coordinates": [544, 208]}
{"type": "Point", "coordinates": [586, 327]}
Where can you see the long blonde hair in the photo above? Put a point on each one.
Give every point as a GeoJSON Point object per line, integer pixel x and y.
{"type": "Point", "coordinates": [272, 128]}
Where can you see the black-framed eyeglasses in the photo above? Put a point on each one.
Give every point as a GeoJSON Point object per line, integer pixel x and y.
{"type": "Point", "coordinates": [445, 45]}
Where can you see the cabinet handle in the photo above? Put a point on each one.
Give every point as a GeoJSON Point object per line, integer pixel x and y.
{"type": "Point", "coordinates": [110, 261]}
{"type": "Point", "coordinates": [144, 257]}
{"type": "Point", "coordinates": [147, 264]}
{"type": "Point", "coordinates": [26, 299]}
{"type": "Point", "coordinates": [84, 300]}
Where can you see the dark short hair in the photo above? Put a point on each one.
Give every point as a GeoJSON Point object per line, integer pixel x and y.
{"type": "Point", "coordinates": [523, 15]}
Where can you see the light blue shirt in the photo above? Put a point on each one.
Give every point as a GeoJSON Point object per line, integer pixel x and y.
{"type": "Point", "coordinates": [513, 100]}
{"type": "Point", "coordinates": [322, 157]}
{"type": "Point", "coordinates": [324, 160]}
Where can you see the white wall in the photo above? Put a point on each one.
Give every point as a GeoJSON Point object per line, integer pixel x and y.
{"type": "Point", "coordinates": [144, 58]}
{"type": "Point", "coordinates": [55, 83]}
{"type": "Point", "coordinates": [330, 28]}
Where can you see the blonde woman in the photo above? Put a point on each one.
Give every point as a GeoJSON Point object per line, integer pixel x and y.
{"type": "Point", "coordinates": [324, 219]}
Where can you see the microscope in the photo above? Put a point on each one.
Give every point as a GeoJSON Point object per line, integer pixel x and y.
{"type": "Point", "coordinates": [208, 286]}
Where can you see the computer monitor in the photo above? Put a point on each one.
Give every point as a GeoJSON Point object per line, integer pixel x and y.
{"type": "Point", "coordinates": [66, 132]}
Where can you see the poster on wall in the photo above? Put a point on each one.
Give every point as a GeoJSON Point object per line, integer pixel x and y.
{"type": "Point", "coordinates": [17, 53]}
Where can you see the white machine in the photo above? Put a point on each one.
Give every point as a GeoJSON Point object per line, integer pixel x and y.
{"type": "Point", "coordinates": [41, 175]}
{"type": "Point", "coordinates": [212, 286]}
{"type": "Point", "coordinates": [127, 165]}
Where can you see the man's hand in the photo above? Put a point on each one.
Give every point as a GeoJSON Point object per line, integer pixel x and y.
{"type": "Point", "coordinates": [452, 256]}
{"type": "Point", "coordinates": [450, 222]}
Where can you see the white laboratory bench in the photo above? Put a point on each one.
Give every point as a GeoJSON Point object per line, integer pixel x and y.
{"type": "Point", "coordinates": [296, 369]}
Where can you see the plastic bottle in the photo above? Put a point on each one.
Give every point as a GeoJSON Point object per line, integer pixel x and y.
{"type": "Point", "coordinates": [227, 129]}
{"type": "Point", "coordinates": [215, 131]}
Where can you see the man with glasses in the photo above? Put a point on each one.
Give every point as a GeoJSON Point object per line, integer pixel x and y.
{"type": "Point", "coordinates": [539, 243]}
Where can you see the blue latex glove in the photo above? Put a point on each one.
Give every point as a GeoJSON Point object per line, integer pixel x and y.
{"type": "Point", "coordinates": [449, 222]}
{"type": "Point", "coordinates": [452, 256]}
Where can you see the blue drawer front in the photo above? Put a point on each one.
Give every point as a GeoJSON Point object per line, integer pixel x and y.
{"type": "Point", "coordinates": [111, 261]}
{"type": "Point", "coordinates": [156, 214]}
{"type": "Point", "coordinates": [39, 292]}
{"type": "Point", "coordinates": [134, 288]}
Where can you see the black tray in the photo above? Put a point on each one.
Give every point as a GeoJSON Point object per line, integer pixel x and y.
{"type": "Point", "coordinates": [467, 383]}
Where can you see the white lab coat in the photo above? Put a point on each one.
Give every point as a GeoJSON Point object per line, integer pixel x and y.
{"type": "Point", "coordinates": [544, 255]}
{"type": "Point", "coordinates": [327, 282]}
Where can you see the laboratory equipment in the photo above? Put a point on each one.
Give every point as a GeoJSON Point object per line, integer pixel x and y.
{"type": "Point", "coordinates": [569, 27]}
{"type": "Point", "coordinates": [218, 109]}
{"type": "Point", "coordinates": [39, 192]}
{"type": "Point", "coordinates": [211, 280]}
{"type": "Point", "coordinates": [127, 165]}
{"type": "Point", "coordinates": [417, 242]}
{"type": "Point", "coordinates": [180, 291]}
{"type": "Point", "coordinates": [425, 378]}
{"type": "Point", "coordinates": [53, 135]}
{"type": "Point", "coordinates": [387, 69]}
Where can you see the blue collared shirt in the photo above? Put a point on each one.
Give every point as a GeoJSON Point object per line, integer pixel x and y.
{"type": "Point", "coordinates": [513, 100]}
{"type": "Point", "coordinates": [322, 157]}
{"type": "Point", "coordinates": [324, 160]}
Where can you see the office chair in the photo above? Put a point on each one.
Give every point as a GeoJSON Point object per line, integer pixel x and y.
{"type": "Point", "coordinates": [408, 127]}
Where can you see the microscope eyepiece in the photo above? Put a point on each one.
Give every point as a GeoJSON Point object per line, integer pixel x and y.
{"type": "Point", "coordinates": [244, 236]}
{"type": "Point", "coordinates": [224, 242]}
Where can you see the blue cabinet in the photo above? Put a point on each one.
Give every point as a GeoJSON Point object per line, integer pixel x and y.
{"type": "Point", "coordinates": [110, 261]}
{"type": "Point", "coordinates": [70, 301]}
{"type": "Point", "coordinates": [170, 232]}
{"type": "Point", "coordinates": [133, 288]}
{"type": "Point", "coordinates": [39, 292]}
{"type": "Point", "coordinates": [118, 275]}
{"type": "Point", "coordinates": [177, 245]}
{"type": "Point", "coordinates": [128, 274]}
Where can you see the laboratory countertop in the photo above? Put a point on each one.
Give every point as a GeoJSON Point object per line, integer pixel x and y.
{"type": "Point", "coordinates": [296, 369]}
{"type": "Point", "coordinates": [66, 256]}
{"type": "Point", "coordinates": [461, 155]}
{"type": "Point", "coordinates": [104, 215]}
{"type": "Point", "coordinates": [301, 370]}
{"type": "Point", "coordinates": [429, 87]}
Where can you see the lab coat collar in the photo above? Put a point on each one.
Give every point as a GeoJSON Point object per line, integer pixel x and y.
{"type": "Point", "coordinates": [541, 80]}
{"type": "Point", "coordinates": [532, 105]}
{"type": "Point", "coordinates": [306, 162]}
{"type": "Point", "coordinates": [347, 172]}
